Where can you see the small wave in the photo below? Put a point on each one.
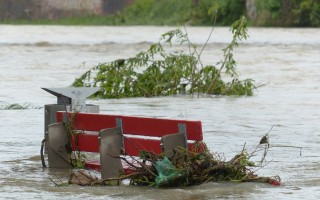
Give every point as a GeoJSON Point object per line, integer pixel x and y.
{"type": "Point", "coordinates": [16, 106]}
{"type": "Point", "coordinates": [250, 42]}
{"type": "Point", "coordinates": [43, 44]}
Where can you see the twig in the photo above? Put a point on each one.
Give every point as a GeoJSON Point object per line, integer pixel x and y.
{"type": "Point", "coordinates": [256, 87]}
{"type": "Point", "coordinates": [205, 44]}
{"type": "Point", "coordinates": [244, 147]}
{"type": "Point", "coordinates": [140, 163]}
{"type": "Point", "coordinates": [122, 177]}
{"type": "Point", "coordinates": [122, 158]}
{"type": "Point", "coordinates": [53, 182]}
{"type": "Point", "coordinates": [289, 147]}
{"type": "Point", "coordinates": [87, 175]}
{"type": "Point", "coordinates": [227, 53]}
{"type": "Point", "coordinates": [194, 65]}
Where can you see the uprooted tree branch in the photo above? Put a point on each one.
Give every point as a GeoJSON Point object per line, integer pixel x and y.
{"type": "Point", "coordinates": [163, 71]}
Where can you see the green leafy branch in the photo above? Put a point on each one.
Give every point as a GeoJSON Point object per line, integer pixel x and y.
{"type": "Point", "coordinates": [163, 70]}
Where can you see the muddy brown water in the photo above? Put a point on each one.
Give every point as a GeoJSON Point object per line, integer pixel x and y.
{"type": "Point", "coordinates": [286, 60]}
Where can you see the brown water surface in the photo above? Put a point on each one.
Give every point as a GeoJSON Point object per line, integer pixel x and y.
{"type": "Point", "coordinates": [52, 56]}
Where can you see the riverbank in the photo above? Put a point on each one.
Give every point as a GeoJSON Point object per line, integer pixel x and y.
{"type": "Point", "coordinates": [276, 13]}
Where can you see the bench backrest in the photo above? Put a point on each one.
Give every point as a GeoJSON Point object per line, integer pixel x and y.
{"type": "Point", "coordinates": [133, 128]}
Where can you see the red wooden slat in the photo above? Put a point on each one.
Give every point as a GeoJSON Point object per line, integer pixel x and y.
{"type": "Point", "coordinates": [85, 142]}
{"type": "Point", "coordinates": [93, 164]}
{"type": "Point", "coordinates": [133, 146]}
{"type": "Point", "coordinates": [90, 143]}
{"type": "Point", "coordinates": [159, 127]}
{"type": "Point", "coordinates": [91, 122]}
{"type": "Point", "coordinates": [136, 125]}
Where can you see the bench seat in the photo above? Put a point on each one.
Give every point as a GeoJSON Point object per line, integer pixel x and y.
{"type": "Point", "coordinates": [138, 134]}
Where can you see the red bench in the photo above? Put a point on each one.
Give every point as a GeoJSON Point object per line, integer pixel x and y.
{"type": "Point", "coordinates": [138, 133]}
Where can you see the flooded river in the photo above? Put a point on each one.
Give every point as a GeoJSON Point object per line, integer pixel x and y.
{"type": "Point", "coordinates": [285, 61]}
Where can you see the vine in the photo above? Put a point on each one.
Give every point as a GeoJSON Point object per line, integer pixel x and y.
{"type": "Point", "coordinates": [76, 158]}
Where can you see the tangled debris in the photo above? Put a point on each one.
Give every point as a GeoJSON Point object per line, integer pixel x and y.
{"type": "Point", "coordinates": [184, 168]}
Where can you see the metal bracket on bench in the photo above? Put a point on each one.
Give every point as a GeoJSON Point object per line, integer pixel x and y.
{"type": "Point", "coordinates": [119, 125]}
{"type": "Point", "coordinates": [57, 141]}
{"type": "Point", "coordinates": [110, 149]}
{"type": "Point", "coordinates": [183, 130]}
{"type": "Point", "coordinates": [171, 142]}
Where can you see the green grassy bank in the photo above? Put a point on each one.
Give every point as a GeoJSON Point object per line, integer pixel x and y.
{"type": "Point", "coordinates": [285, 13]}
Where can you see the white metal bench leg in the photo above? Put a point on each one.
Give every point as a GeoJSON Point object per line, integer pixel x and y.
{"type": "Point", "coordinates": [110, 148]}
{"type": "Point", "coordinates": [57, 141]}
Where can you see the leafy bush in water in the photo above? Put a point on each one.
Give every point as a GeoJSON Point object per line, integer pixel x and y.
{"type": "Point", "coordinates": [157, 72]}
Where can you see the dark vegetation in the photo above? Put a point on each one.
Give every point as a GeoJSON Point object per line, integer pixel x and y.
{"type": "Point", "coordinates": [286, 13]}
{"type": "Point", "coordinates": [301, 13]}
{"type": "Point", "coordinates": [186, 168]}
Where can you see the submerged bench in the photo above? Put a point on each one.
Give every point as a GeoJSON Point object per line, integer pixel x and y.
{"type": "Point", "coordinates": [115, 135]}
